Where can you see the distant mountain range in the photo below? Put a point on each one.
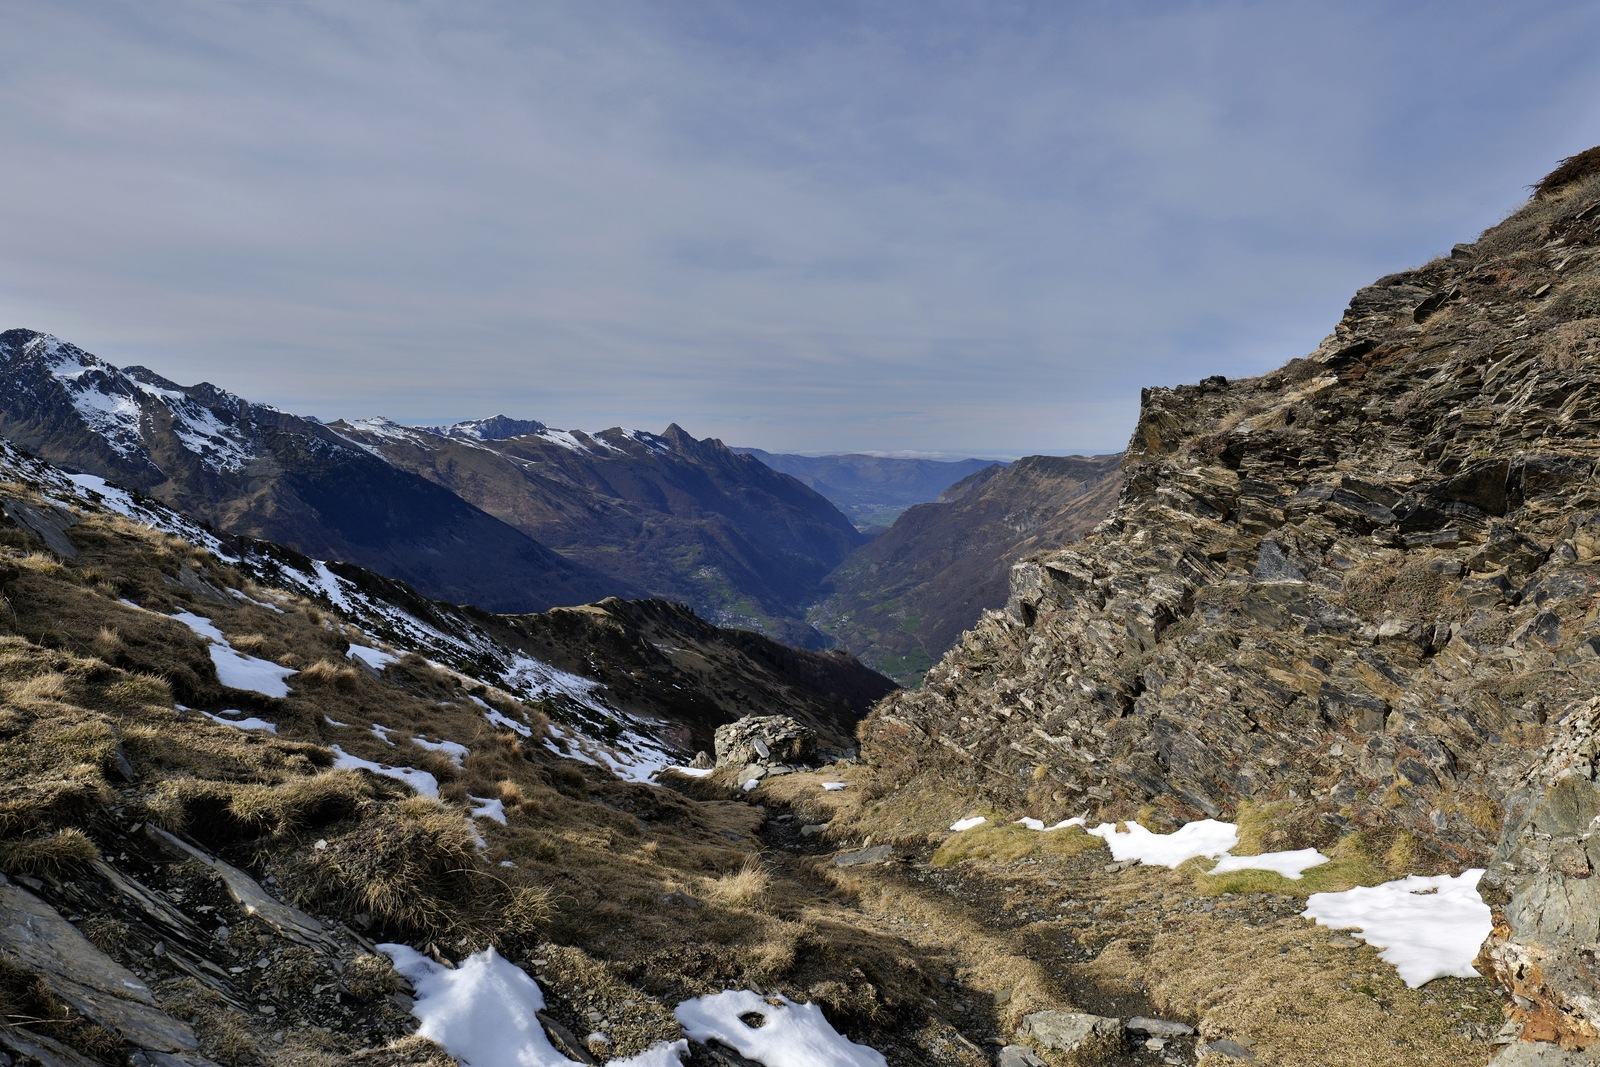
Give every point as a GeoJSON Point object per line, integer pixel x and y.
{"type": "Point", "coordinates": [872, 490]}
{"type": "Point", "coordinates": [254, 470]}
{"type": "Point", "coordinates": [509, 515]}
{"type": "Point", "coordinates": [515, 516]}
{"type": "Point", "coordinates": [685, 519]}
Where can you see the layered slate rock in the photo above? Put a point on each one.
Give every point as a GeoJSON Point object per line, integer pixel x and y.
{"type": "Point", "coordinates": [1546, 899]}
{"type": "Point", "coordinates": [1366, 581]}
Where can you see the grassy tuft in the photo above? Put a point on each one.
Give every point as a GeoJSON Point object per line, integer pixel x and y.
{"type": "Point", "coordinates": [48, 855]}
{"type": "Point", "coordinates": [409, 867]}
{"type": "Point", "coordinates": [745, 888]}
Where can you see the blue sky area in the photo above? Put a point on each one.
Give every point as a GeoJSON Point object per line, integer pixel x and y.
{"type": "Point", "coordinates": [973, 228]}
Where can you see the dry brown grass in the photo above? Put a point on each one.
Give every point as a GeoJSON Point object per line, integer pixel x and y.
{"type": "Point", "coordinates": [1571, 345]}
{"type": "Point", "coordinates": [745, 888]}
{"type": "Point", "coordinates": [1005, 842]}
{"type": "Point", "coordinates": [408, 865]}
{"type": "Point", "coordinates": [1300, 999]}
{"type": "Point", "coordinates": [51, 854]}
{"type": "Point", "coordinates": [1581, 167]}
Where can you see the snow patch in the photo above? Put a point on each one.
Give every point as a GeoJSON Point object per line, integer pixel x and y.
{"type": "Point", "coordinates": [331, 585]}
{"type": "Point", "coordinates": [833, 787]}
{"type": "Point", "coordinates": [1208, 837]}
{"type": "Point", "coordinates": [1038, 824]}
{"type": "Point", "coordinates": [968, 824]}
{"type": "Point", "coordinates": [456, 751]}
{"type": "Point", "coordinates": [488, 808]}
{"type": "Point", "coordinates": [251, 723]}
{"type": "Point", "coordinates": [1426, 927]}
{"type": "Point", "coordinates": [375, 658]}
{"type": "Point", "coordinates": [790, 1034]}
{"type": "Point", "coordinates": [421, 781]}
{"type": "Point", "coordinates": [485, 1013]}
{"type": "Point", "coordinates": [235, 669]}
{"type": "Point", "coordinates": [1289, 864]}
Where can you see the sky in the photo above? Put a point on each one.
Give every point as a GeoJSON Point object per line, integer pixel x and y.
{"type": "Point", "coordinates": [925, 227]}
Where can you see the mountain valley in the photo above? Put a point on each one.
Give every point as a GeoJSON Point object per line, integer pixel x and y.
{"type": "Point", "coordinates": [339, 745]}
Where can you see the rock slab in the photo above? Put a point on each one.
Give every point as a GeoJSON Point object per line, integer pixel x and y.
{"type": "Point", "coordinates": [1070, 1031]}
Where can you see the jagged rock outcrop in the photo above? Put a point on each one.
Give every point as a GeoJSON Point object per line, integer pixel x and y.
{"type": "Point", "coordinates": [1542, 887]}
{"type": "Point", "coordinates": [765, 739]}
{"type": "Point", "coordinates": [1365, 582]}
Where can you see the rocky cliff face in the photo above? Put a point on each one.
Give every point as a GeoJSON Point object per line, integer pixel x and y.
{"type": "Point", "coordinates": [1364, 584]}
{"type": "Point", "coordinates": [903, 599]}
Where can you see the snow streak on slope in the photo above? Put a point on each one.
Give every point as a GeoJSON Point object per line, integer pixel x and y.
{"type": "Point", "coordinates": [445, 636]}
{"type": "Point", "coordinates": [111, 404]}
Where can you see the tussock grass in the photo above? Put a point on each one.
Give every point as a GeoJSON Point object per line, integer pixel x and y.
{"type": "Point", "coordinates": [48, 855]}
{"type": "Point", "coordinates": [745, 888]}
{"type": "Point", "coordinates": [407, 866]}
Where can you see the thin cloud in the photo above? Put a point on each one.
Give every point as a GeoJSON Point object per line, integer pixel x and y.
{"type": "Point", "coordinates": [771, 224]}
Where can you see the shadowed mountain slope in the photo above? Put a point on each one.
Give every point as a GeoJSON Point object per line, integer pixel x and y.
{"type": "Point", "coordinates": [681, 518]}
{"type": "Point", "coordinates": [257, 471]}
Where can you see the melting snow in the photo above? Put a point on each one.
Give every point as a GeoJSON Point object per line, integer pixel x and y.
{"type": "Point", "coordinates": [235, 669]}
{"type": "Point", "coordinates": [1208, 837]}
{"type": "Point", "coordinates": [484, 1013]}
{"type": "Point", "coordinates": [488, 808]}
{"type": "Point", "coordinates": [375, 658]}
{"type": "Point", "coordinates": [1289, 864]}
{"type": "Point", "coordinates": [968, 824]}
{"type": "Point", "coordinates": [421, 781]}
{"type": "Point", "coordinates": [456, 751]}
{"type": "Point", "coordinates": [1038, 824]}
{"type": "Point", "coordinates": [789, 1034]}
{"type": "Point", "coordinates": [1426, 927]}
{"type": "Point", "coordinates": [251, 723]}
{"type": "Point", "coordinates": [833, 786]}
{"type": "Point", "coordinates": [330, 585]}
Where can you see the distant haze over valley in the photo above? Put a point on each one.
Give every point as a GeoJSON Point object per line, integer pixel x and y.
{"type": "Point", "coordinates": [512, 515]}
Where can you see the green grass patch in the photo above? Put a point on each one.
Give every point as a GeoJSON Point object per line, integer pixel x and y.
{"type": "Point", "coordinates": [1358, 859]}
